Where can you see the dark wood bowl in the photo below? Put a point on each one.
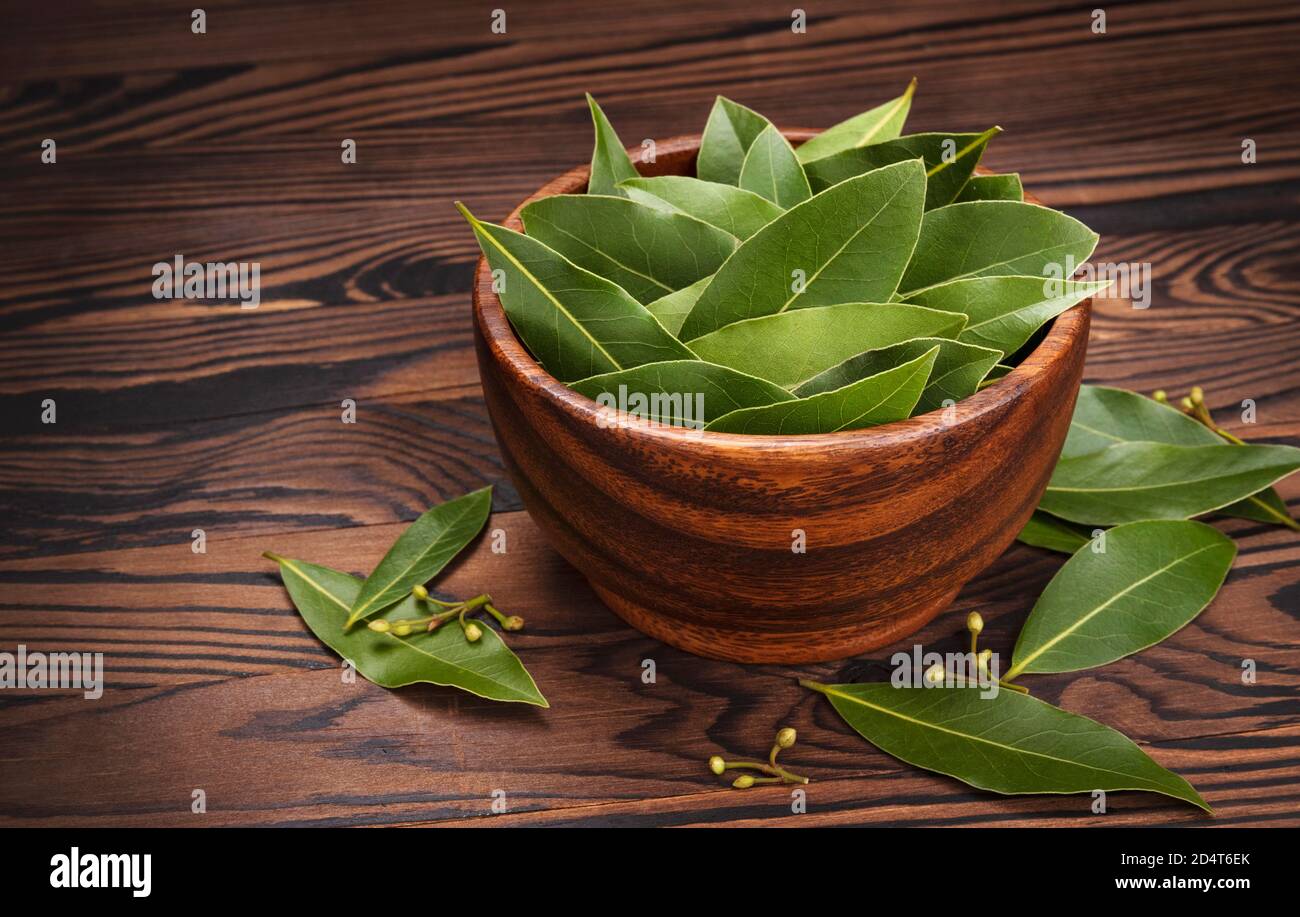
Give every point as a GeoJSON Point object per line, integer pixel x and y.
{"type": "Point", "coordinates": [688, 535]}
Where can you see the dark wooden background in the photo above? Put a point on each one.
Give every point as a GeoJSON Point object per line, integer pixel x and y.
{"type": "Point", "coordinates": [175, 415]}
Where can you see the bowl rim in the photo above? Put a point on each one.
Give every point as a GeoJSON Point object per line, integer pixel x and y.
{"type": "Point", "coordinates": [508, 350]}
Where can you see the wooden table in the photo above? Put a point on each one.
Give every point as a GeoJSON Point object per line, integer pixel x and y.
{"type": "Point", "coordinates": [174, 416]}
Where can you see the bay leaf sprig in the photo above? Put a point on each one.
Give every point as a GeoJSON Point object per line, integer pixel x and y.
{"type": "Point", "coordinates": [772, 771]}
{"type": "Point", "coordinates": [404, 641]}
{"type": "Point", "coordinates": [1127, 458]}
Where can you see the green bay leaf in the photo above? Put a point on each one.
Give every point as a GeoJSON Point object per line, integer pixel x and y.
{"type": "Point", "coordinates": [734, 210]}
{"type": "Point", "coordinates": [994, 374]}
{"type": "Point", "coordinates": [1005, 312]}
{"type": "Point", "coordinates": [723, 389]}
{"type": "Point", "coordinates": [884, 122]}
{"type": "Point", "coordinates": [881, 398]}
{"type": "Point", "coordinates": [648, 251]}
{"type": "Point", "coordinates": [1005, 187]}
{"type": "Point", "coordinates": [958, 370]}
{"type": "Point", "coordinates": [1044, 531]}
{"type": "Point", "coordinates": [576, 323]}
{"type": "Point", "coordinates": [1152, 578]}
{"type": "Point", "coordinates": [1105, 416]}
{"type": "Point", "coordinates": [1133, 481]}
{"type": "Point", "coordinates": [609, 160]}
{"type": "Point", "coordinates": [426, 546]}
{"type": "Point", "coordinates": [851, 243]}
{"type": "Point", "coordinates": [728, 135]}
{"type": "Point", "coordinates": [790, 348]}
{"type": "Point", "coordinates": [672, 309]}
{"type": "Point", "coordinates": [772, 171]}
{"type": "Point", "coordinates": [486, 667]}
{"type": "Point", "coordinates": [993, 238]}
{"type": "Point", "coordinates": [1009, 743]}
{"type": "Point", "coordinates": [950, 160]}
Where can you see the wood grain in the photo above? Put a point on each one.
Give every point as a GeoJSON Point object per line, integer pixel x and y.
{"type": "Point", "coordinates": [226, 146]}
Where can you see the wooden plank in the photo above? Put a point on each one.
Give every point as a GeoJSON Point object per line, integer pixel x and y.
{"type": "Point", "coordinates": [300, 469]}
{"type": "Point", "coordinates": [257, 714]}
{"type": "Point", "coordinates": [1259, 788]}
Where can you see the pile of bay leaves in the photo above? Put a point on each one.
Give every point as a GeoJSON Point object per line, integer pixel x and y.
{"type": "Point", "coordinates": [859, 279]}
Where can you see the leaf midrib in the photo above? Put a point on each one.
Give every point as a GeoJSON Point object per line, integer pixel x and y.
{"type": "Point", "coordinates": [1166, 484]}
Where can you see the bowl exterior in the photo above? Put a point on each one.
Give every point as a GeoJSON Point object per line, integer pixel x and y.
{"type": "Point", "coordinates": [776, 549]}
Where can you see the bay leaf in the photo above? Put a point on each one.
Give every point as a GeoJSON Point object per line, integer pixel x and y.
{"type": "Point", "coordinates": [723, 389]}
{"type": "Point", "coordinates": [1005, 187]}
{"type": "Point", "coordinates": [1009, 743]}
{"type": "Point", "coordinates": [1105, 416]}
{"type": "Point", "coordinates": [609, 160]}
{"type": "Point", "coordinates": [1044, 531]}
{"type": "Point", "coordinates": [672, 309]}
{"type": "Point", "coordinates": [734, 210]}
{"type": "Point", "coordinates": [486, 667]}
{"type": "Point", "coordinates": [994, 374]}
{"type": "Point", "coordinates": [993, 238]}
{"type": "Point", "coordinates": [1132, 481]}
{"type": "Point", "coordinates": [884, 122]}
{"type": "Point", "coordinates": [1005, 312]}
{"type": "Point", "coordinates": [950, 160]}
{"type": "Point", "coordinates": [957, 371]}
{"type": "Point", "coordinates": [647, 251]}
{"type": "Point", "coordinates": [851, 243]}
{"type": "Point", "coordinates": [728, 134]}
{"type": "Point", "coordinates": [575, 323]}
{"type": "Point", "coordinates": [1150, 581]}
{"type": "Point", "coordinates": [790, 348]}
{"type": "Point", "coordinates": [771, 170]}
{"type": "Point", "coordinates": [426, 546]}
{"type": "Point", "coordinates": [1265, 506]}
{"type": "Point", "coordinates": [884, 397]}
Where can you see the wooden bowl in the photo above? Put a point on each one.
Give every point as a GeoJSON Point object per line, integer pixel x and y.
{"type": "Point", "coordinates": [688, 535]}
